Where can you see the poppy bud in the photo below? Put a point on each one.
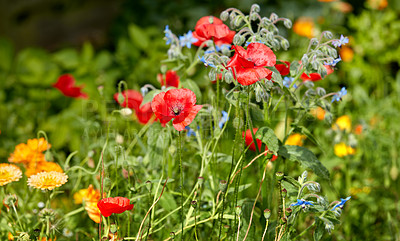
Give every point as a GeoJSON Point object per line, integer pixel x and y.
{"type": "Point", "coordinates": [238, 210]}
{"type": "Point", "coordinates": [126, 112]}
{"type": "Point", "coordinates": [194, 203]}
{"type": "Point", "coordinates": [279, 176]}
{"type": "Point", "coordinates": [121, 98]}
{"type": "Point", "coordinates": [267, 214]}
{"type": "Point", "coordinates": [284, 193]}
{"type": "Point", "coordinates": [223, 185]}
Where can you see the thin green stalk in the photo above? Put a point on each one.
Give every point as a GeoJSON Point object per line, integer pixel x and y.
{"type": "Point", "coordinates": [181, 176]}
{"type": "Point", "coordinates": [195, 224]}
{"type": "Point", "coordinates": [16, 214]}
{"type": "Point", "coordinates": [265, 230]}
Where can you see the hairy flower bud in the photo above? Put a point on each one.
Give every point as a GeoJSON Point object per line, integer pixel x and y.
{"type": "Point", "coordinates": [273, 17]}
{"type": "Point", "coordinates": [304, 60]}
{"type": "Point", "coordinates": [285, 44]}
{"type": "Point", "coordinates": [287, 23]}
{"type": "Point", "coordinates": [238, 39]}
{"type": "Point", "coordinates": [255, 8]}
{"type": "Point", "coordinates": [224, 16]}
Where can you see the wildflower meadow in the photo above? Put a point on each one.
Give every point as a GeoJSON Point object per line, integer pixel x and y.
{"type": "Point", "coordinates": [241, 121]}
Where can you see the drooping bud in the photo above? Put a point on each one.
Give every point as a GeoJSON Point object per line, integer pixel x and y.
{"type": "Point", "coordinates": [224, 16]}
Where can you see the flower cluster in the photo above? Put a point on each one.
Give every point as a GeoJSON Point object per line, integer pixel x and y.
{"type": "Point", "coordinates": [32, 157]}
{"type": "Point", "coordinates": [89, 197]}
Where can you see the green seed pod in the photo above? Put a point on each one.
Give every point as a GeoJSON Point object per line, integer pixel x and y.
{"type": "Point", "coordinates": [267, 214]}
{"type": "Point", "coordinates": [279, 176]}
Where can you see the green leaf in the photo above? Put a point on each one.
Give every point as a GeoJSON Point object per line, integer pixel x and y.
{"type": "Point", "coordinates": [149, 96]}
{"type": "Point", "coordinates": [138, 36]}
{"type": "Point", "coordinates": [191, 85]}
{"type": "Point", "coordinates": [303, 130]}
{"type": "Point", "coordinates": [268, 137]}
{"type": "Point", "coordinates": [306, 158]}
{"type": "Point", "coordinates": [319, 230]}
{"type": "Point", "coordinates": [67, 58]}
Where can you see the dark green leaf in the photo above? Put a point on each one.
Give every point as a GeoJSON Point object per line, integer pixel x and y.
{"type": "Point", "coordinates": [268, 137]}
{"type": "Point", "coordinates": [319, 230]}
{"type": "Point", "coordinates": [306, 158]}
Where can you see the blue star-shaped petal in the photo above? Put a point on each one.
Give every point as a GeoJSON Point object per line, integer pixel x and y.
{"type": "Point", "coordinates": [168, 35]}
{"type": "Point", "coordinates": [338, 96]}
{"type": "Point", "coordinates": [190, 131]}
{"type": "Point", "coordinates": [339, 42]}
{"type": "Point", "coordinates": [187, 39]}
{"type": "Point", "coordinates": [334, 62]}
{"type": "Point", "coordinates": [301, 202]}
{"type": "Point", "coordinates": [206, 63]}
{"type": "Point", "coordinates": [223, 120]}
{"type": "Point", "coordinates": [342, 202]}
{"type": "Point", "coordinates": [287, 81]}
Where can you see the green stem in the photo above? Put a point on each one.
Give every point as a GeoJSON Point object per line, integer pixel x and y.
{"type": "Point", "coordinates": [265, 230]}
{"type": "Point", "coordinates": [181, 177]}
{"type": "Point", "coordinates": [16, 214]}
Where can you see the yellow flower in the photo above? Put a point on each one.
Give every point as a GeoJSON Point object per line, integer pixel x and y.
{"type": "Point", "coordinates": [318, 113]}
{"type": "Point", "coordinates": [79, 195]}
{"type": "Point", "coordinates": [304, 27]}
{"type": "Point", "coordinates": [9, 173]}
{"type": "Point", "coordinates": [346, 53]}
{"type": "Point", "coordinates": [342, 123]}
{"type": "Point", "coordinates": [295, 139]}
{"type": "Point", "coordinates": [341, 150]}
{"type": "Point", "coordinates": [47, 180]}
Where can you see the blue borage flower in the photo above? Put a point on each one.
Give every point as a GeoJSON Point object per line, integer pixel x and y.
{"type": "Point", "coordinates": [206, 63]}
{"type": "Point", "coordinates": [287, 81]}
{"type": "Point", "coordinates": [221, 47]}
{"type": "Point", "coordinates": [223, 120]}
{"type": "Point", "coordinates": [339, 42]}
{"type": "Point", "coordinates": [302, 203]}
{"type": "Point", "coordinates": [338, 96]}
{"type": "Point", "coordinates": [190, 131]}
{"type": "Point", "coordinates": [341, 204]}
{"type": "Point", "coordinates": [168, 35]}
{"type": "Point", "coordinates": [334, 62]}
{"type": "Point", "coordinates": [187, 39]}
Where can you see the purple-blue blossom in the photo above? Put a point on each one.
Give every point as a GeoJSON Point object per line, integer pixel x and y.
{"type": "Point", "coordinates": [302, 203]}
{"type": "Point", "coordinates": [334, 62]}
{"type": "Point", "coordinates": [223, 120]}
{"type": "Point", "coordinates": [338, 96]}
{"type": "Point", "coordinates": [342, 202]}
{"type": "Point", "coordinates": [339, 42]}
{"type": "Point", "coordinates": [190, 131]}
{"type": "Point", "coordinates": [206, 63]}
{"type": "Point", "coordinates": [168, 35]}
{"type": "Point", "coordinates": [287, 81]}
{"type": "Point", "coordinates": [187, 39]}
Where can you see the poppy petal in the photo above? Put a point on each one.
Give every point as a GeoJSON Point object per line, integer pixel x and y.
{"type": "Point", "coordinates": [180, 125]}
{"type": "Point", "coordinates": [261, 55]}
{"type": "Point", "coordinates": [251, 75]}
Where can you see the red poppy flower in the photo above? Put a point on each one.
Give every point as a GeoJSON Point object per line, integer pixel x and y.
{"type": "Point", "coordinates": [248, 138]}
{"type": "Point", "coordinates": [212, 28]}
{"type": "Point", "coordinates": [66, 84]}
{"type": "Point", "coordinates": [177, 104]}
{"type": "Point", "coordinates": [284, 68]}
{"type": "Point", "coordinates": [132, 100]}
{"type": "Point", "coordinates": [112, 205]}
{"type": "Point", "coordinates": [316, 76]}
{"type": "Point", "coordinates": [248, 66]}
{"type": "Point", "coordinates": [171, 78]}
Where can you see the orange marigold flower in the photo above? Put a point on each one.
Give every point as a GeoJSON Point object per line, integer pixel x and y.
{"type": "Point", "coordinates": [42, 166]}
{"type": "Point", "coordinates": [9, 173]}
{"type": "Point", "coordinates": [304, 27]}
{"type": "Point", "coordinates": [39, 145]}
{"type": "Point", "coordinates": [342, 123]}
{"type": "Point", "coordinates": [21, 154]}
{"type": "Point", "coordinates": [346, 53]}
{"type": "Point", "coordinates": [47, 180]}
{"type": "Point", "coordinates": [318, 113]}
{"type": "Point", "coordinates": [90, 196]}
{"type": "Point", "coordinates": [295, 139]}
{"type": "Point", "coordinates": [378, 4]}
